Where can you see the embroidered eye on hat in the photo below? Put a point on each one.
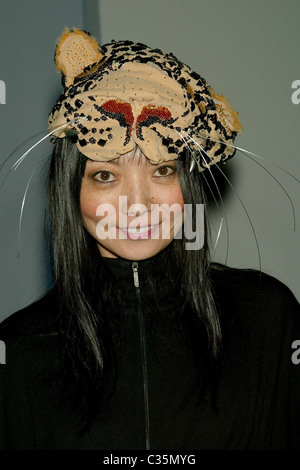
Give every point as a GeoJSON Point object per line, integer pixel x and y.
{"type": "Point", "coordinates": [124, 94]}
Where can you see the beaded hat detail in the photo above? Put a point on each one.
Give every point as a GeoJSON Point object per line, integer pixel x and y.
{"type": "Point", "coordinates": [124, 94]}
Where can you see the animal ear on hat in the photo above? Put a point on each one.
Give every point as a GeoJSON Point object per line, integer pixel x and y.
{"type": "Point", "coordinates": [75, 51]}
{"type": "Point", "coordinates": [225, 114]}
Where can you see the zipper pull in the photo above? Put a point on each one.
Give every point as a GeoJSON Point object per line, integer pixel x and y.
{"type": "Point", "coordinates": [135, 274]}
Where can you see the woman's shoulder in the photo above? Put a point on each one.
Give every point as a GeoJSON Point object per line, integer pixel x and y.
{"type": "Point", "coordinates": [253, 294]}
{"type": "Point", "coordinates": [37, 318]}
{"type": "Point", "coordinates": [247, 281]}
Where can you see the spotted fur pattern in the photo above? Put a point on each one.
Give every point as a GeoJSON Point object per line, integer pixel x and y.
{"type": "Point", "coordinates": [174, 109]}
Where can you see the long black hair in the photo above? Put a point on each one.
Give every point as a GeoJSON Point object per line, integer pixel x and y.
{"type": "Point", "coordinates": [87, 357]}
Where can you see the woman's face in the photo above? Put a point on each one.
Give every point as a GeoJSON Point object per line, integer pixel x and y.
{"type": "Point", "coordinates": [132, 208]}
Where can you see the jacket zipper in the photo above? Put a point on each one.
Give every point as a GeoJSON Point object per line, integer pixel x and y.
{"type": "Point", "coordinates": [143, 352]}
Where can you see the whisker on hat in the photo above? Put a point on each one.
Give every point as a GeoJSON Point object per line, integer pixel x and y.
{"type": "Point", "coordinates": [221, 211]}
{"type": "Point", "coordinates": [253, 156]}
{"type": "Point", "coordinates": [239, 198]}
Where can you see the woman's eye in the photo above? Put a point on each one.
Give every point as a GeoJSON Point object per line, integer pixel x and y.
{"type": "Point", "coordinates": [105, 177]}
{"type": "Point", "coordinates": [164, 171]}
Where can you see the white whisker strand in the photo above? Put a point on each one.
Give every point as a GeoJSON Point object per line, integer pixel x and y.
{"type": "Point", "coordinates": [281, 186]}
{"type": "Point", "coordinates": [218, 235]}
{"type": "Point", "coordinates": [222, 213]}
{"type": "Point", "coordinates": [20, 146]}
{"type": "Point", "coordinates": [193, 163]}
{"type": "Point", "coordinates": [241, 202]}
{"type": "Point", "coordinates": [250, 155]}
{"type": "Point", "coordinates": [12, 154]}
{"type": "Point", "coordinates": [19, 161]}
{"type": "Point", "coordinates": [247, 214]}
{"type": "Point", "coordinates": [245, 151]}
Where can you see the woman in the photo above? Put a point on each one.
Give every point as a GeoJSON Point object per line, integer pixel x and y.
{"type": "Point", "coordinates": [142, 343]}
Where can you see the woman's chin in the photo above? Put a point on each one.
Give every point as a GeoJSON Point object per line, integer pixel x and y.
{"type": "Point", "coordinates": [135, 250]}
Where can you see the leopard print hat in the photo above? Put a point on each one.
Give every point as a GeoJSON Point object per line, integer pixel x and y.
{"type": "Point", "coordinates": [126, 94]}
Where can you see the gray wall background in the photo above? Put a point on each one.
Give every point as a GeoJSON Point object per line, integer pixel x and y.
{"type": "Point", "coordinates": [28, 32]}
{"type": "Point", "coordinates": [246, 50]}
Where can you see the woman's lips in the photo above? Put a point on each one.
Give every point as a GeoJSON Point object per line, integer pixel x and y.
{"type": "Point", "coordinates": [139, 233]}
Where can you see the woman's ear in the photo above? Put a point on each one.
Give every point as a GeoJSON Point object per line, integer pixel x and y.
{"type": "Point", "coordinates": [225, 114]}
{"type": "Point", "coordinates": [75, 51]}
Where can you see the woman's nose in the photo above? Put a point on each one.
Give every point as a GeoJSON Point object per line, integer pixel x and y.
{"type": "Point", "coordinates": [138, 197]}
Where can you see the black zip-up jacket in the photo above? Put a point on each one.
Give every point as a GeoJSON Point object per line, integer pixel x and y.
{"type": "Point", "coordinates": [156, 402]}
